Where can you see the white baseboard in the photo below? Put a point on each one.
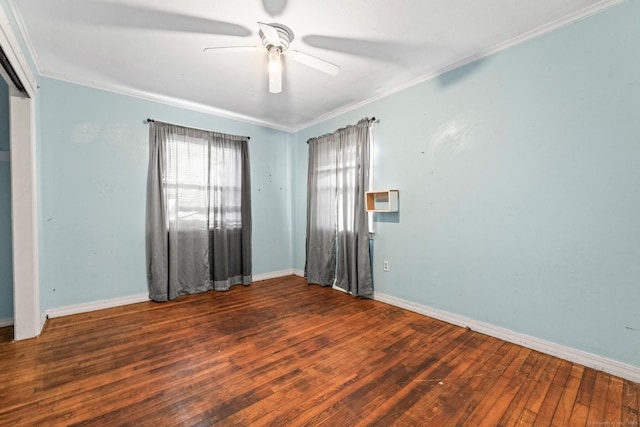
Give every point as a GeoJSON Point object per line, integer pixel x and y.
{"type": "Point", "coordinates": [276, 274]}
{"type": "Point", "coordinates": [132, 299]}
{"type": "Point", "coordinates": [95, 305]}
{"type": "Point", "coordinates": [272, 275]}
{"type": "Point", "coordinates": [6, 322]}
{"type": "Point", "coordinates": [590, 360]}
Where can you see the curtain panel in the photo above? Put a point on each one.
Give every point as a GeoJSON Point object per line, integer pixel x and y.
{"type": "Point", "coordinates": [198, 218]}
{"type": "Point", "coordinates": [337, 246]}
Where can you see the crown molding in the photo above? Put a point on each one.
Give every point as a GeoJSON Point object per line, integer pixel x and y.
{"type": "Point", "coordinates": [165, 100]}
{"type": "Point", "coordinates": [22, 28]}
{"type": "Point", "coordinates": [13, 50]}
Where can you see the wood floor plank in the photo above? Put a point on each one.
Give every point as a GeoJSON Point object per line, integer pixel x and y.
{"type": "Point", "coordinates": [498, 397]}
{"type": "Point", "coordinates": [539, 391]}
{"type": "Point", "coordinates": [455, 404]}
{"type": "Point", "coordinates": [548, 407]}
{"type": "Point", "coordinates": [420, 384]}
{"type": "Point", "coordinates": [474, 390]}
{"type": "Point", "coordinates": [368, 360]}
{"type": "Point", "coordinates": [630, 405]}
{"type": "Point", "coordinates": [517, 406]}
{"type": "Point", "coordinates": [6, 334]}
{"type": "Point", "coordinates": [579, 415]}
{"type": "Point", "coordinates": [613, 412]}
{"type": "Point", "coordinates": [580, 411]}
{"type": "Point", "coordinates": [443, 398]}
{"type": "Point", "coordinates": [281, 352]}
{"type": "Point", "coordinates": [437, 348]}
{"type": "Point", "coordinates": [598, 406]}
{"type": "Point", "coordinates": [568, 397]}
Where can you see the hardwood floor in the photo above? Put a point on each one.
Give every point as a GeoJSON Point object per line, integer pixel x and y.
{"type": "Point", "coordinates": [281, 352]}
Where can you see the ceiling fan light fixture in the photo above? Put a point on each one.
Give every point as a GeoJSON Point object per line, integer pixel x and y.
{"type": "Point", "coordinates": [276, 39]}
{"type": "Point", "coordinates": [275, 70]}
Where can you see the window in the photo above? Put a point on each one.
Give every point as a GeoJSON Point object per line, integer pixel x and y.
{"type": "Point", "coordinates": [337, 225]}
{"type": "Point", "coordinates": [203, 184]}
{"type": "Point", "coordinates": [198, 211]}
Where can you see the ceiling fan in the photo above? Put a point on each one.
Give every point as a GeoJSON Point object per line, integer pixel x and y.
{"type": "Point", "coordinates": [276, 39]}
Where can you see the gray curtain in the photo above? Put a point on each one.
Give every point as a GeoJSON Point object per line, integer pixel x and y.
{"type": "Point", "coordinates": [337, 223]}
{"type": "Point", "coordinates": [198, 225]}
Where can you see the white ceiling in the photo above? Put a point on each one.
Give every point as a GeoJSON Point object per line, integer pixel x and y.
{"type": "Point", "coordinates": [154, 48]}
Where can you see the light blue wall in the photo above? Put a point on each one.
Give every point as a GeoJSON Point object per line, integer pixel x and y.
{"type": "Point", "coordinates": [6, 267]}
{"type": "Point", "coordinates": [519, 179]}
{"type": "Point", "coordinates": [93, 171]}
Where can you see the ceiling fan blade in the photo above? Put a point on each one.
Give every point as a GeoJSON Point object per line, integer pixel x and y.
{"type": "Point", "coordinates": [381, 50]}
{"type": "Point", "coordinates": [132, 17]}
{"type": "Point", "coordinates": [314, 62]}
{"type": "Point", "coordinates": [270, 33]}
{"type": "Point", "coordinates": [274, 7]}
{"type": "Point", "coordinates": [232, 49]}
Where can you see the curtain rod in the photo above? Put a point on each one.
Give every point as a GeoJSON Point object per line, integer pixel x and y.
{"type": "Point", "coordinates": [371, 120]}
{"type": "Point", "coordinates": [148, 120]}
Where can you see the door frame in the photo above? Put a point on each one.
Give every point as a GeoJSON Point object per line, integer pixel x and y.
{"type": "Point", "coordinates": [24, 207]}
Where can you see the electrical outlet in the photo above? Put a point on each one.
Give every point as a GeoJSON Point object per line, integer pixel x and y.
{"type": "Point", "coordinates": [385, 265]}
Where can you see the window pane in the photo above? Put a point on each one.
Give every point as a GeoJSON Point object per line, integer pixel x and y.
{"type": "Point", "coordinates": [204, 183]}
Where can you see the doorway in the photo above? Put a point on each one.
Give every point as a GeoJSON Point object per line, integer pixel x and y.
{"type": "Point", "coordinates": [6, 257]}
{"type": "Point", "coordinates": [16, 72]}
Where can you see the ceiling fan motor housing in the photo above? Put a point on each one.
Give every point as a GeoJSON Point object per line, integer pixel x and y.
{"type": "Point", "coordinates": [285, 34]}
